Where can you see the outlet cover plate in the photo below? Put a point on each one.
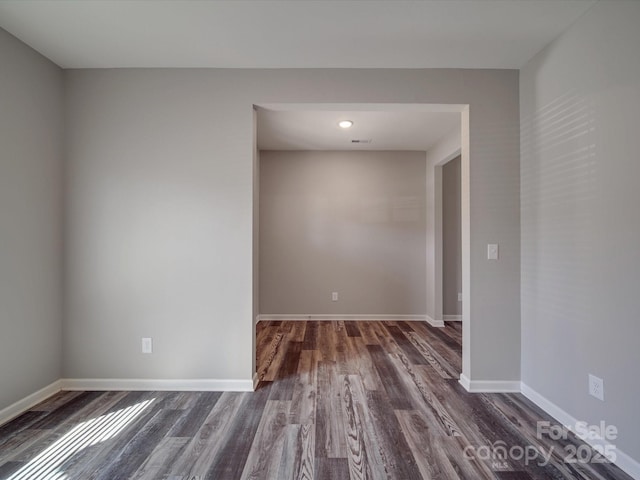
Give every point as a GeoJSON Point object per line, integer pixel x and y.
{"type": "Point", "coordinates": [596, 387]}
{"type": "Point", "coordinates": [147, 345]}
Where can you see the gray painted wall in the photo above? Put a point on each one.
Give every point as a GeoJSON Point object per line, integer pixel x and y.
{"type": "Point", "coordinates": [256, 232]}
{"type": "Point", "coordinates": [347, 222]}
{"type": "Point", "coordinates": [31, 115]}
{"type": "Point", "coordinates": [445, 150]}
{"type": "Point", "coordinates": [160, 216]}
{"type": "Point", "coordinates": [580, 100]}
{"type": "Point", "coordinates": [451, 238]}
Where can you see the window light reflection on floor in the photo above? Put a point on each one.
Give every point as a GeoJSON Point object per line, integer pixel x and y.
{"type": "Point", "coordinates": [46, 465]}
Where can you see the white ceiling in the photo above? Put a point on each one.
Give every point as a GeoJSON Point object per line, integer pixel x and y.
{"type": "Point", "coordinates": [296, 34]}
{"type": "Point", "coordinates": [300, 34]}
{"type": "Point", "coordinates": [318, 130]}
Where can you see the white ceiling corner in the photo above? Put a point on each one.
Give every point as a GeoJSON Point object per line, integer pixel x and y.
{"type": "Point", "coordinates": [501, 34]}
{"type": "Point", "coordinates": [289, 34]}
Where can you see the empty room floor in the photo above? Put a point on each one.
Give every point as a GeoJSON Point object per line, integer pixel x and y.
{"type": "Point", "coordinates": [336, 400]}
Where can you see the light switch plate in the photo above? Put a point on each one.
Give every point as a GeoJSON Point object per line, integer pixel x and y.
{"type": "Point", "coordinates": [492, 251]}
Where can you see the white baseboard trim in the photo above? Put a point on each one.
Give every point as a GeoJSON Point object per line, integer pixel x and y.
{"type": "Point", "coordinates": [183, 385]}
{"type": "Point", "coordinates": [623, 461]}
{"type": "Point", "coordinates": [434, 323]}
{"type": "Point", "coordinates": [465, 382]}
{"type": "Point", "coordinates": [452, 318]}
{"type": "Point", "coordinates": [21, 406]}
{"type": "Point", "coordinates": [345, 317]}
{"type": "Point", "coordinates": [489, 386]}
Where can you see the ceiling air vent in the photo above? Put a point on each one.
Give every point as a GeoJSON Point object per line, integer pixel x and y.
{"type": "Point", "coordinates": [361, 141]}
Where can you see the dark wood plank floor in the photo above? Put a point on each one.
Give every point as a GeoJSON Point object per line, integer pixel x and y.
{"type": "Point", "coordinates": [337, 400]}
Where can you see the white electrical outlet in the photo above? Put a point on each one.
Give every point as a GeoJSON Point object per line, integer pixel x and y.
{"type": "Point", "coordinates": [147, 345]}
{"type": "Point", "coordinates": [334, 296]}
{"type": "Point", "coordinates": [460, 296]}
{"type": "Point", "coordinates": [596, 387]}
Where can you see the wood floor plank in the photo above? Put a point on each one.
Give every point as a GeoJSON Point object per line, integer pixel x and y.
{"type": "Point", "coordinates": [91, 461]}
{"type": "Point", "coordinates": [348, 362]}
{"type": "Point", "coordinates": [412, 353]}
{"type": "Point", "coordinates": [285, 378]}
{"type": "Point", "coordinates": [421, 442]}
{"type": "Point", "coordinates": [159, 462]}
{"type": "Point", "coordinates": [399, 461]}
{"type": "Point", "coordinates": [264, 337]}
{"type": "Point", "coordinates": [444, 340]}
{"type": "Point", "coordinates": [303, 401]}
{"type": "Point", "coordinates": [326, 343]}
{"type": "Point", "coordinates": [136, 451]}
{"type": "Point", "coordinates": [352, 329]}
{"type": "Point", "coordinates": [405, 326]}
{"type": "Point", "coordinates": [198, 456]}
{"type": "Point", "coordinates": [332, 469]}
{"type": "Point", "coordinates": [450, 351]}
{"type": "Point", "coordinates": [450, 451]}
{"type": "Point", "coordinates": [9, 468]}
{"type": "Point", "coordinates": [298, 330]}
{"type": "Point", "coordinates": [336, 400]}
{"type": "Point", "coordinates": [359, 465]}
{"type": "Point", "coordinates": [14, 427]}
{"type": "Point", "coordinates": [297, 461]}
{"type": "Point", "coordinates": [13, 446]}
{"type": "Point", "coordinates": [269, 368]}
{"type": "Point", "coordinates": [437, 362]}
{"type": "Point", "coordinates": [357, 361]}
{"type": "Point", "coordinates": [57, 427]}
{"type": "Point", "coordinates": [392, 384]}
{"type": "Point", "coordinates": [356, 395]}
{"type": "Point", "coordinates": [366, 368]}
{"type": "Point", "coordinates": [330, 436]}
{"type": "Point", "coordinates": [65, 411]}
{"type": "Point", "coordinates": [263, 460]}
{"type": "Point", "coordinates": [382, 336]}
{"type": "Point", "coordinates": [229, 462]}
{"type": "Point", "coordinates": [310, 336]}
{"type": "Point", "coordinates": [55, 401]}
{"type": "Point", "coordinates": [428, 403]}
{"type": "Point", "coordinates": [441, 367]}
{"type": "Point", "coordinates": [189, 423]}
{"type": "Point", "coordinates": [368, 334]}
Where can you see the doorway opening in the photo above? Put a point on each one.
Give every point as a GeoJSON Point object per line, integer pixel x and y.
{"type": "Point", "coordinates": [313, 128]}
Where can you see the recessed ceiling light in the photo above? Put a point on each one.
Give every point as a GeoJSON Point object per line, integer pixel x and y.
{"type": "Point", "coordinates": [345, 124]}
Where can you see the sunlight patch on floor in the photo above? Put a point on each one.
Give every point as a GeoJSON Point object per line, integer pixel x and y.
{"type": "Point", "coordinates": [46, 466]}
